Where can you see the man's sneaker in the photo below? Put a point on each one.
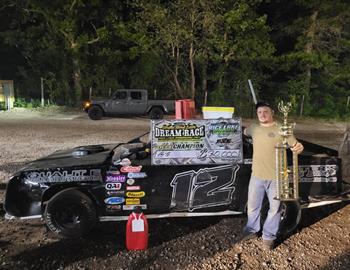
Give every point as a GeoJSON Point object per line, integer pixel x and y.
{"type": "Point", "coordinates": [268, 244]}
{"type": "Point", "coordinates": [248, 236]}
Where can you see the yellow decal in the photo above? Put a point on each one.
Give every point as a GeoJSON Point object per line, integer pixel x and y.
{"type": "Point", "coordinates": [132, 201]}
{"type": "Point", "coordinates": [135, 194]}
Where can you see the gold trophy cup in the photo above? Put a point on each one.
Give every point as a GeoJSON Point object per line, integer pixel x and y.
{"type": "Point", "coordinates": [287, 181]}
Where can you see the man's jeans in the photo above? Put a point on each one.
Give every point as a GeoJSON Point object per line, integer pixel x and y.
{"type": "Point", "coordinates": [256, 193]}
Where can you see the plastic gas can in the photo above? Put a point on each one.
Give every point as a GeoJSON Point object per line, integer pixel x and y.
{"type": "Point", "coordinates": [137, 232]}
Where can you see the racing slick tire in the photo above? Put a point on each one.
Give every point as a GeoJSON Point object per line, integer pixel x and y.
{"type": "Point", "coordinates": [156, 113]}
{"type": "Point", "coordinates": [70, 214]}
{"type": "Point", "coordinates": [290, 216]}
{"type": "Point", "coordinates": [95, 113]}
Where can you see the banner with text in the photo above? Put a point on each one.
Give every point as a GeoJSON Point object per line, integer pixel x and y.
{"type": "Point", "coordinates": [185, 142]}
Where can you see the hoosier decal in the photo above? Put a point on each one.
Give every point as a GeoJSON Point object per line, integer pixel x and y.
{"type": "Point", "coordinates": [207, 187]}
{"type": "Point", "coordinates": [116, 178]}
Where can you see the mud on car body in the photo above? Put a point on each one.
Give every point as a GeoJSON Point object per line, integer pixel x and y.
{"type": "Point", "coordinates": [74, 189]}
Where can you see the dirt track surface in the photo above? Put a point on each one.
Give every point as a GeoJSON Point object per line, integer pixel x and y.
{"type": "Point", "coordinates": [321, 242]}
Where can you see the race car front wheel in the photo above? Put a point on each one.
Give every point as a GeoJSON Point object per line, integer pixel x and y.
{"type": "Point", "coordinates": [70, 214]}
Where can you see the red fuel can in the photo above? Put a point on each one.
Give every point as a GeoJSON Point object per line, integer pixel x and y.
{"type": "Point", "coordinates": [137, 232]}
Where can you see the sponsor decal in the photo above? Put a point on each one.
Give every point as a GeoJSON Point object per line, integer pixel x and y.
{"type": "Point", "coordinates": [207, 187]}
{"type": "Point", "coordinates": [130, 181]}
{"type": "Point", "coordinates": [179, 130]}
{"type": "Point", "coordinates": [318, 173]}
{"type": "Point", "coordinates": [132, 201]}
{"type": "Point", "coordinates": [125, 162]}
{"type": "Point", "coordinates": [132, 207]}
{"type": "Point", "coordinates": [116, 178]}
{"type": "Point", "coordinates": [116, 192]}
{"type": "Point", "coordinates": [248, 161]}
{"type": "Point", "coordinates": [113, 208]}
{"type": "Point", "coordinates": [114, 172]}
{"type": "Point", "coordinates": [223, 141]}
{"type": "Point", "coordinates": [64, 176]}
{"type": "Point", "coordinates": [137, 194]}
{"type": "Point", "coordinates": [114, 200]}
{"type": "Point", "coordinates": [113, 186]}
{"type": "Point", "coordinates": [223, 128]}
{"type": "Point", "coordinates": [133, 187]}
{"type": "Point", "coordinates": [137, 175]}
{"type": "Point", "coordinates": [131, 169]}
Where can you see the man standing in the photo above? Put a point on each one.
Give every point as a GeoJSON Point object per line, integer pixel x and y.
{"type": "Point", "coordinates": [263, 180]}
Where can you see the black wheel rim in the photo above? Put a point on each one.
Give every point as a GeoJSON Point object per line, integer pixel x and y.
{"type": "Point", "coordinates": [68, 216]}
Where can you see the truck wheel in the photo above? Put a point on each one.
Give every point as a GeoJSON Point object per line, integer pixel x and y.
{"type": "Point", "coordinates": [156, 113]}
{"type": "Point", "coordinates": [70, 214]}
{"type": "Point", "coordinates": [95, 113]}
{"type": "Point", "coordinates": [290, 216]}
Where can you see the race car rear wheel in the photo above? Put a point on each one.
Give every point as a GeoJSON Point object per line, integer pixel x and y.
{"type": "Point", "coordinates": [70, 214]}
{"type": "Point", "coordinates": [95, 113]}
{"type": "Point", "coordinates": [290, 216]}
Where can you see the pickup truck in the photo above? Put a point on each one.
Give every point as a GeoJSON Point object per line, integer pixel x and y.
{"type": "Point", "coordinates": [128, 102]}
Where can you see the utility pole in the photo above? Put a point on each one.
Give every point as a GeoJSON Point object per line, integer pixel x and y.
{"type": "Point", "coordinates": [42, 92]}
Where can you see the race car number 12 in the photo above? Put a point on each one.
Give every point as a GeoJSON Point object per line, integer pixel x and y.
{"type": "Point", "coordinates": [207, 187]}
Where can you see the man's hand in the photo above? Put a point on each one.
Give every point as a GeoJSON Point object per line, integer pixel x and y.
{"type": "Point", "coordinates": [297, 148]}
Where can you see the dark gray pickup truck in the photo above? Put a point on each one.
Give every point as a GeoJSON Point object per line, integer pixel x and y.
{"type": "Point", "coordinates": [128, 102]}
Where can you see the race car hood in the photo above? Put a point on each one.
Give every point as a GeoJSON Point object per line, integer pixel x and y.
{"type": "Point", "coordinates": [90, 155]}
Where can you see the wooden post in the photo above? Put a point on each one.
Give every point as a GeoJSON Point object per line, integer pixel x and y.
{"type": "Point", "coordinates": [205, 98]}
{"type": "Point", "coordinates": [347, 102]}
{"type": "Point", "coordinates": [90, 92]}
{"type": "Point", "coordinates": [42, 92]}
{"type": "Point", "coordinates": [155, 94]}
{"type": "Point", "coordinates": [302, 106]}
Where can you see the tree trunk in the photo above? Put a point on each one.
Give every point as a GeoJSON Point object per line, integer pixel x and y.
{"type": "Point", "coordinates": [176, 72]}
{"type": "Point", "coordinates": [309, 47]}
{"type": "Point", "coordinates": [205, 78]}
{"type": "Point", "coordinates": [193, 78]}
{"type": "Point", "coordinates": [77, 80]}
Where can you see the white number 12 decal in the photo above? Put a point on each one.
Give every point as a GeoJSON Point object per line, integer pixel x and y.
{"type": "Point", "coordinates": [206, 188]}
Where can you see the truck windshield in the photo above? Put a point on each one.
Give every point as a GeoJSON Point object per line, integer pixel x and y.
{"type": "Point", "coordinates": [120, 95]}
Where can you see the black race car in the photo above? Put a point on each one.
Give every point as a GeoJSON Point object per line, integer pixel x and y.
{"type": "Point", "coordinates": [72, 190]}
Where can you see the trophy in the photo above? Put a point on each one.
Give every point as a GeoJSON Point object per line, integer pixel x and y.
{"type": "Point", "coordinates": [287, 181]}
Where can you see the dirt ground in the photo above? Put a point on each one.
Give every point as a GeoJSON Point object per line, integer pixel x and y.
{"type": "Point", "coordinates": [322, 240]}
